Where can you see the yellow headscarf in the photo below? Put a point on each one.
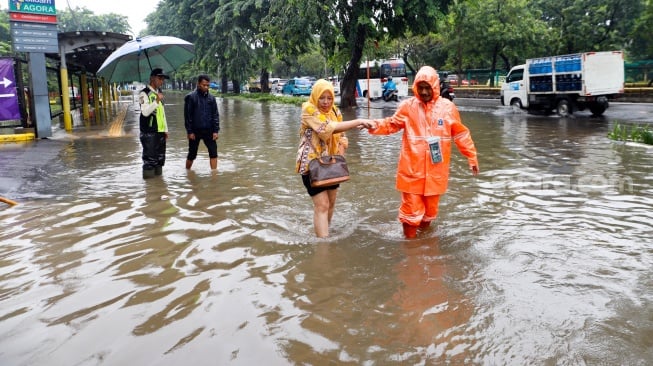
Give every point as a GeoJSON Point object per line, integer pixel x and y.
{"type": "Point", "coordinates": [319, 88]}
{"type": "Point", "coordinates": [313, 105]}
{"type": "Point", "coordinates": [311, 148]}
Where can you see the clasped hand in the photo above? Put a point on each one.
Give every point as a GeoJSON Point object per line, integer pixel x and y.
{"type": "Point", "coordinates": [366, 123]}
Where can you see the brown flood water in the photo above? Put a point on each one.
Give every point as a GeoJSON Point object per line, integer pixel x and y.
{"type": "Point", "coordinates": [544, 259]}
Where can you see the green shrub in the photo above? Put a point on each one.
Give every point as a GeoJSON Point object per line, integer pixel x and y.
{"type": "Point", "coordinates": [641, 134]}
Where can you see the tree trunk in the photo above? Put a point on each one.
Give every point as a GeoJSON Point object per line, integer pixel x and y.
{"type": "Point", "coordinates": [265, 81]}
{"type": "Point", "coordinates": [348, 85]}
{"type": "Point", "coordinates": [506, 62]}
{"type": "Point", "coordinates": [410, 67]}
{"type": "Point", "coordinates": [493, 69]}
{"type": "Point", "coordinates": [225, 84]}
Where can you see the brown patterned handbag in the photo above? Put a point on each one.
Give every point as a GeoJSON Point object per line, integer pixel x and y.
{"type": "Point", "coordinates": [328, 170]}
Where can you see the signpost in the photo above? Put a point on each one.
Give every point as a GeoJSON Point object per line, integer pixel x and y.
{"type": "Point", "coordinates": [34, 37]}
{"type": "Point", "coordinates": [33, 27]}
{"type": "Point", "coordinates": [33, 6]}
{"type": "Point", "coordinates": [37, 18]}
{"type": "Point", "coordinates": [9, 108]}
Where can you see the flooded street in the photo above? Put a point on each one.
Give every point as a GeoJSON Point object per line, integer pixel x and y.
{"type": "Point", "coordinates": [543, 259]}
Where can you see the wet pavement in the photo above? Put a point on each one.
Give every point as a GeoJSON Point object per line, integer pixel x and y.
{"type": "Point", "coordinates": [544, 258]}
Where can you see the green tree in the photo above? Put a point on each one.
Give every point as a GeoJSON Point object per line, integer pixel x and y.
{"type": "Point", "coordinates": [5, 36]}
{"type": "Point", "coordinates": [346, 29]}
{"type": "Point", "coordinates": [225, 34]}
{"type": "Point", "coordinates": [234, 42]}
{"type": "Point", "coordinates": [173, 18]}
{"type": "Point", "coordinates": [82, 19]}
{"type": "Point", "coordinates": [588, 25]}
{"type": "Point", "coordinates": [642, 34]}
{"type": "Point", "coordinates": [421, 50]}
{"type": "Point", "coordinates": [239, 38]}
{"type": "Point", "coordinates": [493, 34]}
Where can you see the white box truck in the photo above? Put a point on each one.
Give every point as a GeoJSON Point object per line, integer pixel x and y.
{"type": "Point", "coordinates": [566, 83]}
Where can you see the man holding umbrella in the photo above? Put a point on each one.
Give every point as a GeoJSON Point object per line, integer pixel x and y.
{"type": "Point", "coordinates": [153, 125]}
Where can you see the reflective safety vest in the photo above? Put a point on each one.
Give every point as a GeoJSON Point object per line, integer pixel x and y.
{"type": "Point", "coordinates": [155, 122]}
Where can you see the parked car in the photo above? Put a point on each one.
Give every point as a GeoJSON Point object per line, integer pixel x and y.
{"type": "Point", "coordinates": [336, 84]}
{"type": "Point", "coordinates": [230, 87]}
{"type": "Point", "coordinates": [311, 79]}
{"type": "Point", "coordinates": [297, 86]}
{"type": "Point", "coordinates": [453, 80]}
{"type": "Point", "coordinates": [213, 85]}
{"type": "Point", "coordinates": [280, 84]}
{"type": "Point", "coordinates": [273, 84]}
{"type": "Point", "coordinates": [255, 86]}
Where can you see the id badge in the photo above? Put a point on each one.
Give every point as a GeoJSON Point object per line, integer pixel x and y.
{"type": "Point", "coordinates": [436, 150]}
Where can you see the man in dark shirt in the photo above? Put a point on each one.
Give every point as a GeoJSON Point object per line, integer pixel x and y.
{"type": "Point", "coordinates": [202, 122]}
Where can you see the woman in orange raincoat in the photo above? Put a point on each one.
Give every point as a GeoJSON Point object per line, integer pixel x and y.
{"type": "Point", "coordinates": [430, 125]}
{"type": "Point", "coordinates": [321, 133]}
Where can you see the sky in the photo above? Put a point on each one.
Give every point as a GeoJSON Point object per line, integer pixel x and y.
{"type": "Point", "coordinates": [135, 10]}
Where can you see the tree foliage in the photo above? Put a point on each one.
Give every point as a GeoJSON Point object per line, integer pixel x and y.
{"type": "Point", "coordinates": [5, 36]}
{"type": "Point", "coordinates": [242, 38]}
{"type": "Point", "coordinates": [225, 32]}
{"type": "Point", "coordinates": [490, 34]}
{"type": "Point", "coordinates": [82, 19]}
{"type": "Point", "coordinates": [580, 25]}
{"type": "Point", "coordinates": [642, 34]}
{"type": "Point", "coordinates": [344, 30]}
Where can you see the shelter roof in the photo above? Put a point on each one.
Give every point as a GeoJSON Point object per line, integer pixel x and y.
{"type": "Point", "coordinates": [87, 50]}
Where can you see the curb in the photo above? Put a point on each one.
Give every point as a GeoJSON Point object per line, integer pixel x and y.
{"type": "Point", "coordinates": [17, 137]}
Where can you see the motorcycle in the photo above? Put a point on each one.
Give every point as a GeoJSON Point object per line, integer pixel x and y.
{"type": "Point", "coordinates": [446, 90]}
{"type": "Point", "coordinates": [389, 95]}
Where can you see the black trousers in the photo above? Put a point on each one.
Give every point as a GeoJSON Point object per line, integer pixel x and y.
{"type": "Point", "coordinates": [154, 149]}
{"type": "Point", "coordinates": [207, 137]}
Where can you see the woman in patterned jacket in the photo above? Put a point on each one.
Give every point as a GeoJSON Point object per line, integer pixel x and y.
{"type": "Point", "coordinates": [321, 133]}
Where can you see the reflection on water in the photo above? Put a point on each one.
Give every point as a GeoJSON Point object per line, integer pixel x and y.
{"type": "Point", "coordinates": [543, 259]}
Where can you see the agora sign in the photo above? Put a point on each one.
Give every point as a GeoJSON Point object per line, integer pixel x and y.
{"type": "Point", "coordinates": [44, 7]}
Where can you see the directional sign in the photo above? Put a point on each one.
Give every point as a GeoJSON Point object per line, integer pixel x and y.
{"type": "Point", "coordinates": [33, 26]}
{"type": "Point", "coordinates": [9, 109]}
{"type": "Point", "coordinates": [34, 37]}
{"type": "Point", "coordinates": [6, 82]}
{"type": "Point", "coordinates": [33, 33]}
{"type": "Point", "coordinates": [36, 48]}
{"type": "Point", "coordinates": [45, 7]}
{"type": "Point", "coordinates": [37, 18]}
{"type": "Point", "coordinates": [35, 41]}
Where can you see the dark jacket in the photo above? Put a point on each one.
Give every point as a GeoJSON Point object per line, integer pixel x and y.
{"type": "Point", "coordinates": [201, 113]}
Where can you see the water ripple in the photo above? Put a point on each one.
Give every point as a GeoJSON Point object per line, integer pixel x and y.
{"type": "Point", "coordinates": [544, 257]}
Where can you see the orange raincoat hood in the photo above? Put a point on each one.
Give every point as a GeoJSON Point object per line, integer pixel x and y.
{"type": "Point", "coordinates": [428, 74]}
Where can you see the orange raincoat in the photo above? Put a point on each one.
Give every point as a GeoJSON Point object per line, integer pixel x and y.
{"type": "Point", "coordinates": [316, 131]}
{"type": "Point", "coordinates": [416, 174]}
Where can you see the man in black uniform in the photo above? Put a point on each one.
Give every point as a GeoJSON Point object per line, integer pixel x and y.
{"type": "Point", "coordinates": [153, 125]}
